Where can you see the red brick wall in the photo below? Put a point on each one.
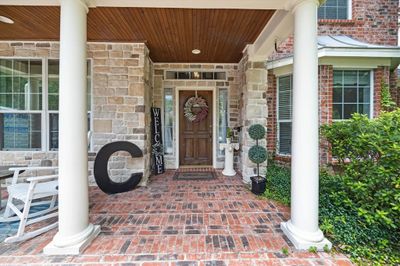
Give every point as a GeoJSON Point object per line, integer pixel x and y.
{"type": "Point", "coordinates": [373, 21]}
{"type": "Point", "coordinates": [380, 74]}
{"type": "Point", "coordinates": [394, 90]}
{"type": "Point", "coordinates": [325, 112]}
{"type": "Point", "coordinates": [325, 89]}
{"type": "Point", "coordinates": [271, 121]}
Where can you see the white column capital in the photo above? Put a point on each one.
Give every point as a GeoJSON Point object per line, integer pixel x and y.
{"type": "Point", "coordinates": [84, 3]}
{"type": "Point", "coordinates": [292, 5]}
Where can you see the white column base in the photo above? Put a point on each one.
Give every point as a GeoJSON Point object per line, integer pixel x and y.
{"type": "Point", "coordinates": [228, 172]}
{"type": "Point", "coordinates": [300, 242]}
{"type": "Point", "coordinates": [75, 249]}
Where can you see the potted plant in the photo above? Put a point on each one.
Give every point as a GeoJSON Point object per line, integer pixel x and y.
{"type": "Point", "coordinates": [228, 135]}
{"type": "Point", "coordinates": [257, 154]}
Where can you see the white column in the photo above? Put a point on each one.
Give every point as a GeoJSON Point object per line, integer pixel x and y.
{"type": "Point", "coordinates": [74, 230]}
{"type": "Point", "coordinates": [302, 229]}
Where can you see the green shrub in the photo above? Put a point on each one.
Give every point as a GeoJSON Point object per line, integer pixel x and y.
{"type": "Point", "coordinates": [364, 243]}
{"type": "Point", "coordinates": [278, 183]}
{"type": "Point", "coordinates": [387, 102]}
{"type": "Point", "coordinates": [369, 153]}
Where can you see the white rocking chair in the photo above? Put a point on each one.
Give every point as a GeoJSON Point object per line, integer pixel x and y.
{"type": "Point", "coordinates": [37, 190]}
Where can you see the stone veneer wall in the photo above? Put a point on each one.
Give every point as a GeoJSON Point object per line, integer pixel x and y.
{"type": "Point", "coordinates": [232, 84]}
{"type": "Point", "coordinates": [253, 110]}
{"type": "Point", "coordinates": [121, 95]}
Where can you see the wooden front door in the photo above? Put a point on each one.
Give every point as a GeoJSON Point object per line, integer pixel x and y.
{"type": "Point", "coordinates": [195, 138]}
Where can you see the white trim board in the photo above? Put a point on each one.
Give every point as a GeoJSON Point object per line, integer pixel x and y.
{"type": "Point", "coordinates": [285, 66]}
{"type": "Point", "coordinates": [203, 4]}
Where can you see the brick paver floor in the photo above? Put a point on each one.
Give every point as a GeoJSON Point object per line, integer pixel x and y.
{"type": "Point", "coordinates": [170, 222]}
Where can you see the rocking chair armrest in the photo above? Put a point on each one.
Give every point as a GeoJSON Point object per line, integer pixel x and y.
{"type": "Point", "coordinates": [35, 168]}
{"type": "Point", "coordinates": [41, 178]}
{"type": "Point", "coordinates": [18, 170]}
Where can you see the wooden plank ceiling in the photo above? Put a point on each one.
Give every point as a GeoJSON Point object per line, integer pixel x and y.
{"type": "Point", "coordinates": [170, 34]}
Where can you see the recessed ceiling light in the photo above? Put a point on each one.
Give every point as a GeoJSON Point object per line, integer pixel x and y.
{"type": "Point", "coordinates": [6, 20]}
{"type": "Point", "coordinates": [196, 51]}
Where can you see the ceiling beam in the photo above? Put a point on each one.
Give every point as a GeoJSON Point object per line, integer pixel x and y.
{"type": "Point", "coordinates": [199, 4]}
{"type": "Point", "coordinates": [274, 33]}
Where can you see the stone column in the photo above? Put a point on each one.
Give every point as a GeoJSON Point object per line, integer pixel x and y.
{"type": "Point", "coordinates": [253, 111]}
{"type": "Point", "coordinates": [74, 230]}
{"type": "Point", "coordinates": [302, 229]}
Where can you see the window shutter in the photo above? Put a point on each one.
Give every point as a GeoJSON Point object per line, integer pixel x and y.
{"type": "Point", "coordinates": [285, 98]}
{"type": "Point", "coordinates": [285, 114]}
{"type": "Point", "coordinates": [285, 137]}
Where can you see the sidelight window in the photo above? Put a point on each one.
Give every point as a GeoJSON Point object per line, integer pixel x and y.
{"type": "Point", "coordinates": [222, 117]}
{"type": "Point", "coordinates": [168, 121]}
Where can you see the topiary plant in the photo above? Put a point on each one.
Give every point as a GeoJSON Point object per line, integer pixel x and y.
{"type": "Point", "coordinates": [256, 132]}
{"type": "Point", "coordinates": [257, 154]}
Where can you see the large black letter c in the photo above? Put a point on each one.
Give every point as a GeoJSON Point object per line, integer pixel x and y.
{"type": "Point", "coordinates": [101, 170]}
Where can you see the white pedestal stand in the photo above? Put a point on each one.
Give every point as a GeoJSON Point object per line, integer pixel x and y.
{"type": "Point", "coordinates": [229, 148]}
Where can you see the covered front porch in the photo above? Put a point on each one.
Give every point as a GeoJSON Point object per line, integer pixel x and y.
{"type": "Point", "coordinates": [178, 222]}
{"type": "Point", "coordinates": [129, 74]}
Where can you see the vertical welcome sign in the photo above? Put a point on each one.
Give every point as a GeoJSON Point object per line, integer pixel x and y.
{"type": "Point", "coordinates": [156, 141]}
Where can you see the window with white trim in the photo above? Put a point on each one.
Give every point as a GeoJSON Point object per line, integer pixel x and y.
{"type": "Point", "coordinates": [29, 105]}
{"type": "Point", "coordinates": [352, 93]}
{"type": "Point", "coordinates": [53, 100]}
{"type": "Point", "coordinates": [284, 107]}
{"type": "Point", "coordinates": [335, 9]}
